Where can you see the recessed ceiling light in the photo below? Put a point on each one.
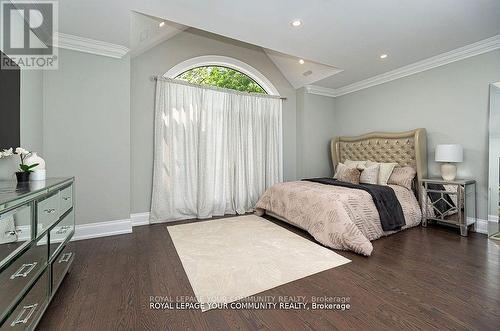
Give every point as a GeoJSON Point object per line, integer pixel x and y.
{"type": "Point", "coordinates": [161, 24]}
{"type": "Point", "coordinates": [296, 23]}
{"type": "Point", "coordinates": [383, 56]}
{"type": "Point", "coordinates": [301, 61]}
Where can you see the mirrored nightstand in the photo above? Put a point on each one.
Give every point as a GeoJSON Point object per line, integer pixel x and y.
{"type": "Point", "coordinates": [450, 202]}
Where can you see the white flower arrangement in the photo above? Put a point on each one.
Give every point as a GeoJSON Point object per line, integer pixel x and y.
{"type": "Point", "coordinates": [6, 153]}
{"type": "Point", "coordinates": [22, 151]}
{"type": "Point", "coordinates": [23, 154]}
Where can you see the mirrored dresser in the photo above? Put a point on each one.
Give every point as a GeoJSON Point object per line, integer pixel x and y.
{"type": "Point", "coordinates": [36, 225]}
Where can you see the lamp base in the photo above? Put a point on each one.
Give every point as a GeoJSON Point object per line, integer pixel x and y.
{"type": "Point", "coordinates": [448, 171]}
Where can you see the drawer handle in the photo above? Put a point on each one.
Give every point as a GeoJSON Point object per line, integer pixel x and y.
{"type": "Point", "coordinates": [65, 257]}
{"type": "Point", "coordinates": [13, 232]}
{"type": "Point", "coordinates": [63, 229]}
{"type": "Point", "coordinates": [24, 270]}
{"type": "Point", "coordinates": [66, 198]}
{"type": "Point", "coordinates": [49, 211]}
{"type": "Point", "coordinates": [30, 310]}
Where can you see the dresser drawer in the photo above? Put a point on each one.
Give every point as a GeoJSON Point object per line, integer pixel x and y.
{"type": "Point", "coordinates": [16, 277]}
{"type": "Point", "coordinates": [48, 211]}
{"type": "Point", "coordinates": [62, 263]}
{"type": "Point", "coordinates": [60, 232]}
{"type": "Point", "coordinates": [29, 310]}
{"type": "Point", "coordinates": [66, 199]}
{"type": "Point", "coordinates": [15, 230]}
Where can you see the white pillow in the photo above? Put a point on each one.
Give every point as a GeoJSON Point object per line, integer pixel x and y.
{"type": "Point", "coordinates": [339, 169]}
{"type": "Point", "coordinates": [355, 164]}
{"type": "Point", "coordinates": [370, 174]}
{"type": "Point", "coordinates": [384, 172]}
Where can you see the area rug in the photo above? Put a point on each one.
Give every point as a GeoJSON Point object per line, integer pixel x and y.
{"type": "Point", "coordinates": [232, 258]}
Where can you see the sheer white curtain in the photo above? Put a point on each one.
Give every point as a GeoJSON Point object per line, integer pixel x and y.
{"type": "Point", "coordinates": [215, 151]}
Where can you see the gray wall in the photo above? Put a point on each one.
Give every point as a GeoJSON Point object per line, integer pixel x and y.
{"type": "Point", "coordinates": [315, 129]}
{"type": "Point", "coordinates": [86, 132]}
{"type": "Point", "coordinates": [160, 59]}
{"type": "Point", "coordinates": [451, 102]}
{"type": "Point", "coordinates": [97, 122]}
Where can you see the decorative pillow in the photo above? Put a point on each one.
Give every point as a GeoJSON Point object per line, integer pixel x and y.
{"type": "Point", "coordinates": [384, 172]}
{"type": "Point", "coordinates": [355, 164]}
{"type": "Point", "coordinates": [341, 167]}
{"type": "Point", "coordinates": [339, 170]}
{"type": "Point", "coordinates": [350, 175]}
{"type": "Point", "coordinates": [369, 175]}
{"type": "Point", "coordinates": [402, 176]}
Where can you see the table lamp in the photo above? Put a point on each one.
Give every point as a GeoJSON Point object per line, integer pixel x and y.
{"type": "Point", "coordinates": [449, 154]}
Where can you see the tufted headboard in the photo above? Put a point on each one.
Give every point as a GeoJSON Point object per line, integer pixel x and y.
{"type": "Point", "coordinates": [405, 148]}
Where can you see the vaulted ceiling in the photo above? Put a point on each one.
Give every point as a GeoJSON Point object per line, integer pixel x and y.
{"type": "Point", "coordinates": [341, 39]}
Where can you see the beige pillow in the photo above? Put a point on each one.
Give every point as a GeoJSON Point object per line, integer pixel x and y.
{"type": "Point", "coordinates": [341, 167]}
{"type": "Point", "coordinates": [350, 175]}
{"type": "Point", "coordinates": [369, 175]}
{"type": "Point", "coordinates": [402, 176]}
{"type": "Point", "coordinates": [384, 172]}
{"type": "Point", "coordinates": [355, 164]}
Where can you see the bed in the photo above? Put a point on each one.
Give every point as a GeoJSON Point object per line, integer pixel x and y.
{"type": "Point", "coordinates": [347, 218]}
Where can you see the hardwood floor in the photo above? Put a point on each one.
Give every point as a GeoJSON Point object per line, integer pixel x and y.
{"type": "Point", "coordinates": [422, 278]}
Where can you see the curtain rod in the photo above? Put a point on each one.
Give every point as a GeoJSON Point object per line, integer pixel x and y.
{"type": "Point", "coordinates": [182, 82]}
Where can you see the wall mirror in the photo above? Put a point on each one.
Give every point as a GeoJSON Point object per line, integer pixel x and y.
{"type": "Point", "coordinates": [21, 115]}
{"type": "Point", "coordinates": [494, 163]}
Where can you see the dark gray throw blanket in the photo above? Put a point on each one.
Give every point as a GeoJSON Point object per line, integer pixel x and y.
{"type": "Point", "coordinates": [388, 207]}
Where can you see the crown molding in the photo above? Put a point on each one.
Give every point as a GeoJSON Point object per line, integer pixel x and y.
{"type": "Point", "coordinates": [480, 47]}
{"type": "Point", "coordinates": [319, 90]}
{"type": "Point", "coordinates": [92, 46]}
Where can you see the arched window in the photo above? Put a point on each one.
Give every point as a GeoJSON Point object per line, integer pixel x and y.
{"type": "Point", "coordinates": [221, 77]}
{"type": "Point", "coordinates": [222, 71]}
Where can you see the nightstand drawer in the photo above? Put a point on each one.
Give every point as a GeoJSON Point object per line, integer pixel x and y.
{"type": "Point", "coordinates": [66, 199]}
{"type": "Point", "coordinates": [28, 311]}
{"type": "Point", "coordinates": [62, 263]}
{"type": "Point", "coordinates": [15, 278]}
{"type": "Point", "coordinates": [60, 232]}
{"type": "Point", "coordinates": [48, 211]}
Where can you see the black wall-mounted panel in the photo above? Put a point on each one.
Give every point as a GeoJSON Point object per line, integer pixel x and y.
{"type": "Point", "coordinates": [10, 106]}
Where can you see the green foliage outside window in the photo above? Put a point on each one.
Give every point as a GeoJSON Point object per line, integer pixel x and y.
{"type": "Point", "coordinates": [221, 77]}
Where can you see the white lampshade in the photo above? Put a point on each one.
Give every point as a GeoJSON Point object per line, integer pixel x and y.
{"type": "Point", "coordinates": [449, 153]}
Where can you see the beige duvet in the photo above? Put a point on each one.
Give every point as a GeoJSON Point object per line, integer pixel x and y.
{"type": "Point", "coordinates": [337, 217]}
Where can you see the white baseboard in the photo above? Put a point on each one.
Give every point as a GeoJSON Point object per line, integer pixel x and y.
{"type": "Point", "coordinates": [481, 226]}
{"type": "Point", "coordinates": [102, 229]}
{"type": "Point", "coordinates": [139, 219]}
{"type": "Point", "coordinates": [97, 229]}
{"type": "Point", "coordinates": [88, 231]}
{"type": "Point", "coordinates": [111, 228]}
